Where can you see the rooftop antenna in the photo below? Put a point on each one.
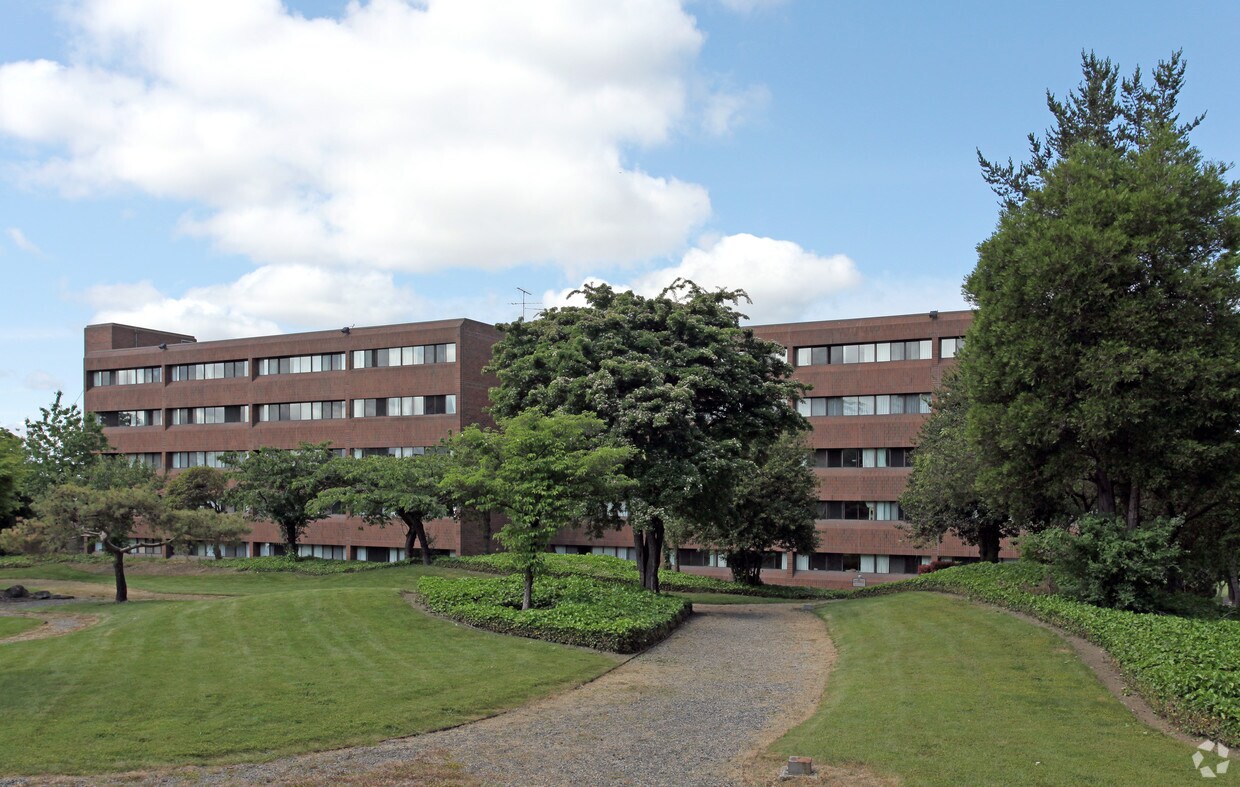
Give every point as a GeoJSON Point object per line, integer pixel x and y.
{"type": "Point", "coordinates": [536, 307]}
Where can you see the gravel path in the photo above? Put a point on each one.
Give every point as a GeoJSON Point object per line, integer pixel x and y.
{"type": "Point", "coordinates": [693, 710]}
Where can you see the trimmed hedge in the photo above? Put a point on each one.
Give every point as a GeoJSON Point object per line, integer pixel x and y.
{"type": "Point", "coordinates": [27, 561]}
{"type": "Point", "coordinates": [614, 569]}
{"type": "Point", "coordinates": [1188, 669]}
{"type": "Point", "coordinates": [568, 610]}
{"type": "Point", "coordinates": [300, 565]}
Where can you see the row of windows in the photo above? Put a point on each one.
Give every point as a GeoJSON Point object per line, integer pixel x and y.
{"type": "Point", "coordinates": [881, 404]}
{"type": "Point", "coordinates": [405, 356]}
{"type": "Point", "coordinates": [915, 350]}
{"type": "Point", "coordinates": [131, 417]}
{"type": "Point", "coordinates": [148, 459]}
{"type": "Point", "coordinates": [405, 450]}
{"type": "Point", "coordinates": [869, 564]}
{"type": "Point", "coordinates": [877, 352]}
{"type": "Point", "coordinates": [203, 549]}
{"type": "Point", "coordinates": [288, 411]}
{"type": "Point", "coordinates": [301, 364]}
{"type": "Point", "coordinates": [292, 364]}
{"type": "Point", "coordinates": [709, 558]}
{"type": "Point", "coordinates": [227, 414]}
{"type": "Point", "coordinates": [301, 411]}
{"type": "Point", "coordinates": [182, 459]}
{"type": "Point", "coordinates": [405, 405]}
{"type": "Point", "coordinates": [863, 457]}
{"type": "Point", "coordinates": [881, 510]}
{"type": "Point", "coordinates": [325, 551]}
{"type": "Point", "coordinates": [818, 561]}
{"type": "Point", "coordinates": [949, 347]}
{"type": "Point", "coordinates": [146, 374]}
{"type": "Point", "coordinates": [219, 370]}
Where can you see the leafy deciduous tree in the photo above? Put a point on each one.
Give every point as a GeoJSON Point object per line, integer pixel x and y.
{"type": "Point", "coordinates": [544, 472]}
{"type": "Point", "coordinates": [279, 485]}
{"type": "Point", "coordinates": [12, 478]}
{"type": "Point", "coordinates": [198, 497]}
{"type": "Point", "coordinates": [380, 488]}
{"type": "Point", "coordinates": [941, 495]}
{"type": "Point", "coordinates": [61, 447]}
{"type": "Point", "coordinates": [773, 503]}
{"type": "Point", "coordinates": [673, 377]}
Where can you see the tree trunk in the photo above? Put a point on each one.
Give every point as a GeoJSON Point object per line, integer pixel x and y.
{"type": "Point", "coordinates": [409, 541]}
{"type": "Point", "coordinates": [988, 544]}
{"type": "Point", "coordinates": [527, 598]}
{"type": "Point", "coordinates": [215, 550]}
{"type": "Point", "coordinates": [486, 534]}
{"type": "Point", "coordinates": [1105, 495]}
{"type": "Point", "coordinates": [413, 521]}
{"type": "Point", "coordinates": [1233, 584]}
{"type": "Point", "coordinates": [746, 567]}
{"type": "Point", "coordinates": [648, 544]}
{"type": "Point", "coordinates": [290, 539]}
{"type": "Point", "coordinates": [118, 568]}
{"type": "Point", "coordinates": [1134, 508]}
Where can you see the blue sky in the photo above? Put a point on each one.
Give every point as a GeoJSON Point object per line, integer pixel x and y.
{"type": "Point", "coordinates": [244, 167]}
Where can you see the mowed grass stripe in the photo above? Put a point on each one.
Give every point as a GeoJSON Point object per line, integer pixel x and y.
{"type": "Point", "coordinates": [935, 690]}
{"type": "Point", "coordinates": [13, 626]}
{"type": "Point", "coordinates": [253, 677]}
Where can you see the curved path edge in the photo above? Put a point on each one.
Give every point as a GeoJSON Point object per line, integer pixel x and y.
{"type": "Point", "coordinates": [695, 709]}
{"type": "Point", "coordinates": [1104, 668]}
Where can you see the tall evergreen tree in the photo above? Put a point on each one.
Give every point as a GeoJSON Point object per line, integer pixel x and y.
{"type": "Point", "coordinates": [1104, 362]}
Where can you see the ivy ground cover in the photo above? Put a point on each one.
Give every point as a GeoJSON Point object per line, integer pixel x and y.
{"type": "Point", "coordinates": [570, 610]}
{"type": "Point", "coordinates": [614, 569]}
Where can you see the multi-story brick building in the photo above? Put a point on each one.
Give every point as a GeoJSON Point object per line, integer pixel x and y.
{"type": "Point", "coordinates": [172, 402]}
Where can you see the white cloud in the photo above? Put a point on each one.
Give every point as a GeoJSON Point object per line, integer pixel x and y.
{"type": "Point", "coordinates": [784, 281]}
{"type": "Point", "coordinates": [22, 242]}
{"type": "Point", "coordinates": [725, 110]}
{"type": "Point", "coordinates": [268, 300]}
{"type": "Point", "coordinates": [39, 380]}
{"type": "Point", "coordinates": [747, 6]}
{"type": "Point", "coordinates": [409, 136]}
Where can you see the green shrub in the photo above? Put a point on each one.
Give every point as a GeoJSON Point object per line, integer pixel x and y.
{"type": "Point", "coordinates": [569, 610]}
{"type": "Point", "coordinates": [26, 561]}
{"type": "Point", "coordinates": [614, 569]}
{"type": "Point", "coordinates": [1101, 562]}
{"type": "Point", "coordinates": [299, 565]}
{"type": "Point", "coordinates": [1188, 669]}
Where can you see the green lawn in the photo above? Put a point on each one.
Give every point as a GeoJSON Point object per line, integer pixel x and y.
{"type": "Point", "coordinates": [11, 626]}
{"type": "Point", "coordinates": [935, 690]}
{"type": "Point", "coordinates": [297, 663]}
{"type": "Point", "coordinates": [228, 582]}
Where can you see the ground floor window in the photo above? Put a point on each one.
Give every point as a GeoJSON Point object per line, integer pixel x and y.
{"type": "Point", "coordinates": [869, 564]}
{"type": "Point", "coordinates": [624, 553]}
{"type": "Point", "coordinates": [706, 558]}
{"type": "Point", "coordinates": [380, 554]}
{"type": "Point", "coordinates": [324, 551]}
{"type": "Point", "coordinates": [203, 549]}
